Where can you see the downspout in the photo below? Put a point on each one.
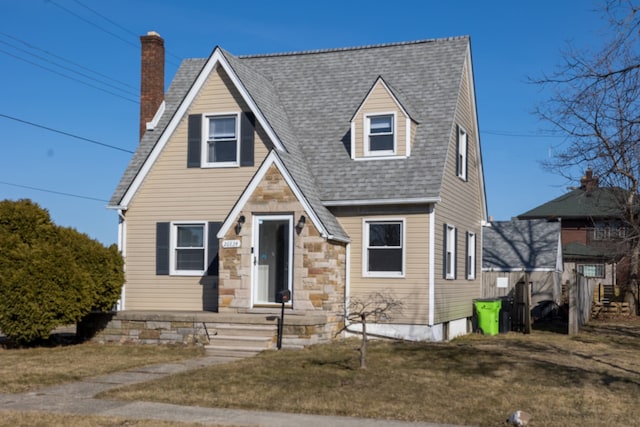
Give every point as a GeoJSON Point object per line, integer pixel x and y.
{"type": "Point", "coordinates": [432, 265]}
{"type": "Point", "coordinates": [122, 235]}
{"type": "Point", "coordinates": [347, 286]}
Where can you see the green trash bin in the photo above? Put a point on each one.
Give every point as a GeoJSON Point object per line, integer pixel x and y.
{"type": "Point", "coordinates": [488, 312]}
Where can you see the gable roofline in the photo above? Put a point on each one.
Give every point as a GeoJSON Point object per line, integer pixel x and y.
{"type": "Point", "coordinates": [216, 59]}
{"type": "Point", "coordinates": [274, 160]}
{"type": "Point", "coordinates": [392, 93]}
{"type": "Point", "coordinates": [472, 85]}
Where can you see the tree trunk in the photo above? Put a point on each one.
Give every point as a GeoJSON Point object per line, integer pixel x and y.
{"type": "Point", "coordinates": [631, 287]}
{"type": "Point", "coordinates": [363, 345]}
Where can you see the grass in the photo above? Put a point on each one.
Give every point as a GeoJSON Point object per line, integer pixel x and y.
{"type": "Point", "coordinates": [591, 379]}
{"type": "Point", "coordinates": [39, 419]}
{"type": "Point", "coordinates": [27, 369]}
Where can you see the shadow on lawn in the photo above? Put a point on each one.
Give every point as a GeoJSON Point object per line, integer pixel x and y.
{"type": "Point", "coordinates": [529, 358]}
{"type": "Point", "coordinates": [60, 337]}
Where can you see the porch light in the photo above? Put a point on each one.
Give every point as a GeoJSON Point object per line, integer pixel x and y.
{"type": "Point", "coordinates": [240, 223]}
{"type": "Point", "coordinates": [300, 224]}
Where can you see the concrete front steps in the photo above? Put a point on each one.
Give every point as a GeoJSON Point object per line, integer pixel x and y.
{"type": "Point", "coordinates": [239, 340]}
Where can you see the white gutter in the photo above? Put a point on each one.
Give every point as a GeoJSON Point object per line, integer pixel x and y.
{"type": "Point", "coordinates": [365, 202]}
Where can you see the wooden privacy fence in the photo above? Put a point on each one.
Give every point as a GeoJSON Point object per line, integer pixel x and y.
{"type": "Point", "coordinates": [581, 291]}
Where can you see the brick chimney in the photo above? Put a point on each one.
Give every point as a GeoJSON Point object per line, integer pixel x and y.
{"type": "Point", "coordinates": [588, 182]}
{"type": "Point", "coordinates": [151, 77]}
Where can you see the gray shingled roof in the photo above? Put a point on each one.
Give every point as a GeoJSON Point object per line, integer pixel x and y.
{"type": "Point", "coordinates": [320, 91]}
{"type": "Point", "coordinates": [521, 244]}
{"type": "Point", "coordinates": [601, 202]}
{"type": "Point", "coordinates": [308, 99]}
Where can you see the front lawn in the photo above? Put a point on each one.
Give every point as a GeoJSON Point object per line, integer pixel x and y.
{"type": "Point", "coordinates": [591, 379]}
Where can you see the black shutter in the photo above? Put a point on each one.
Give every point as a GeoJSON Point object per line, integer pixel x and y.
{"type": "Point", "coordinates": [467, 269]}
{"type": "Point", "coordinates": [212, 249]}
{"type": "Point", "coordinates": [455, 253]}
{"type": "Point", "coordinates": [458, 169]}
{"type": "Point", "coordinates": [194, 140]}
{"type": "Point", "coordinates": [162, 248]}
{"type": "Point", "coordinates": [247, 129]}
{"type": "Point", "coordinates": [444, 252]}
{"type": "Point", "coordinates": [466, 160]}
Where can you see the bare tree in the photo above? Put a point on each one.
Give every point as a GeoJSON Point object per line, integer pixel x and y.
{"type": "Point", "coordinates": [595, 104]}
{"type": "Point", "coordinates": [374, 307]}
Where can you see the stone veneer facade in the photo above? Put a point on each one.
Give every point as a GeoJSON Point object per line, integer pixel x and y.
{"type": "Point", "coordinates": [319, 265]}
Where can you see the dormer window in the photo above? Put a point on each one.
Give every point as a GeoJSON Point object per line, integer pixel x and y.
{"type": "Point", "coordinates": [381, 138]}
{"type": "Point", "coordinates": [222, 148]}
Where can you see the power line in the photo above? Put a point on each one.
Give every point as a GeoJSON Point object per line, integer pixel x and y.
{"type": "Point", "coordinates": [104, 29]}
{"type": "Point", "coordinates": [68, 77]}
{"type": "Point", "coordinates": [519, 135]}
{"type": "Point", "coordinates": [93, 141]}
{"type": "Point", "coordinates": [112, 22]}
{"type": "Point", "coordinates": [44, 190]}
{"type": "Point", "coordinates": [32, 46]}
{"type": "Point", "coordinates": [68, 69]}
{"type": "Point", "coordinates": [93, 24]}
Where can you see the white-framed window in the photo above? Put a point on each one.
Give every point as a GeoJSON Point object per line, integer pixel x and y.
{"type": "Point", "coordinates": [380, 134]}
{"type": "Point", "coordinates": [462, 150]}
{"type": "Point", "coordinates": [383, 246]}
{"type": "Point", "coordinates": [471, 256]}
{"type": "Point", "coordinates": [591, 270]}
{"type": "Point", "coordinates": [221, 146]}
{"type": "Point", "coordinates": [188, 248]}
{"type": "Point", "coordinates": [450, 235]}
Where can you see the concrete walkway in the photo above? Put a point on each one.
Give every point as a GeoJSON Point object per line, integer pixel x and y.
{"type": "Point", "coordinates": [78, 398]}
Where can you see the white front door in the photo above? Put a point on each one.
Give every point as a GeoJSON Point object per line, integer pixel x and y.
{"type": "Point", "coordinates": [272, 256]}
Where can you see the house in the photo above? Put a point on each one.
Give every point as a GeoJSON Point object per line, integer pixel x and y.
{"type": "Point", "coordinates": [523, 251]}
{"type": "Point", "coordinates": [593, 233]}
{"type": "Point", "coordinates": [331, 174]}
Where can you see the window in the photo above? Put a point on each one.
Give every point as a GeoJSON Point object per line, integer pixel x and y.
{"type": "Point", "coordinates": [591, 270]}
{"type": "Point", "coordinates": [384, 248]}
{"type": "Point", "coordinates": [461, 161]}
{"type": "Point", "coordinates": [380, 134]}
{"type": "Point", "coordinates": [222, 140]}
{"type": "Point", "coordinates": [449, 252]}
{"type": "Point", "coordinates": [188, 248]}
{"type": "Point", "coordinates": [609, 230]}
{"type": "Point", "coordinates": [471, 256]}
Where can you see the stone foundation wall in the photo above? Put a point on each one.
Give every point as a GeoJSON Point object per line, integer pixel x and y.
{"type": "Point", "coordinates": [160, 328]}
{"type": "Point", "coordinates": [114, 328]}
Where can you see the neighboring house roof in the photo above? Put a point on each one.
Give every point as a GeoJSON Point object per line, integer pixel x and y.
{"type": "Point", "coordinates": [601, 202]}
{"type": "Point", "coordinates": [307, 100]}
{"type": "Point", "coordinates": [577, 250]}
{"type": "Point", "coordinates": [527, 245]}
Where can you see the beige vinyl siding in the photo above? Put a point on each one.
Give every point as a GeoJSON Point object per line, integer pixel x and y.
{"type": "Point", "coordinates": [380, 101]}
{"type": "Point", "coordinates": [173, 192]}
{"type": "Point", "coordinates": [413, 288]}
{"type": "Point", "coordinates": [461, 206]}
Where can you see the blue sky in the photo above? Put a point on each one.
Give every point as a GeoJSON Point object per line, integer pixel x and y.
{"type": "Point", "coordinates": [94, 94]}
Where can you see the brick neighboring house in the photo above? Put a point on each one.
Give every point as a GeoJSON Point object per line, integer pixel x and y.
{"type": "Point", "coordinates": [592, 233]}
{"type": "Point", "coordinates": [331, 174]}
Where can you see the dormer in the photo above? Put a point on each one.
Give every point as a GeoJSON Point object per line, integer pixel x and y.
{"type": "Point", "coordinates": [381, 127]}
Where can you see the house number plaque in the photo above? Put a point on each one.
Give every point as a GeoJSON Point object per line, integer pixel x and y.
{"type": "Point", "coordinates": [231, 243]}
